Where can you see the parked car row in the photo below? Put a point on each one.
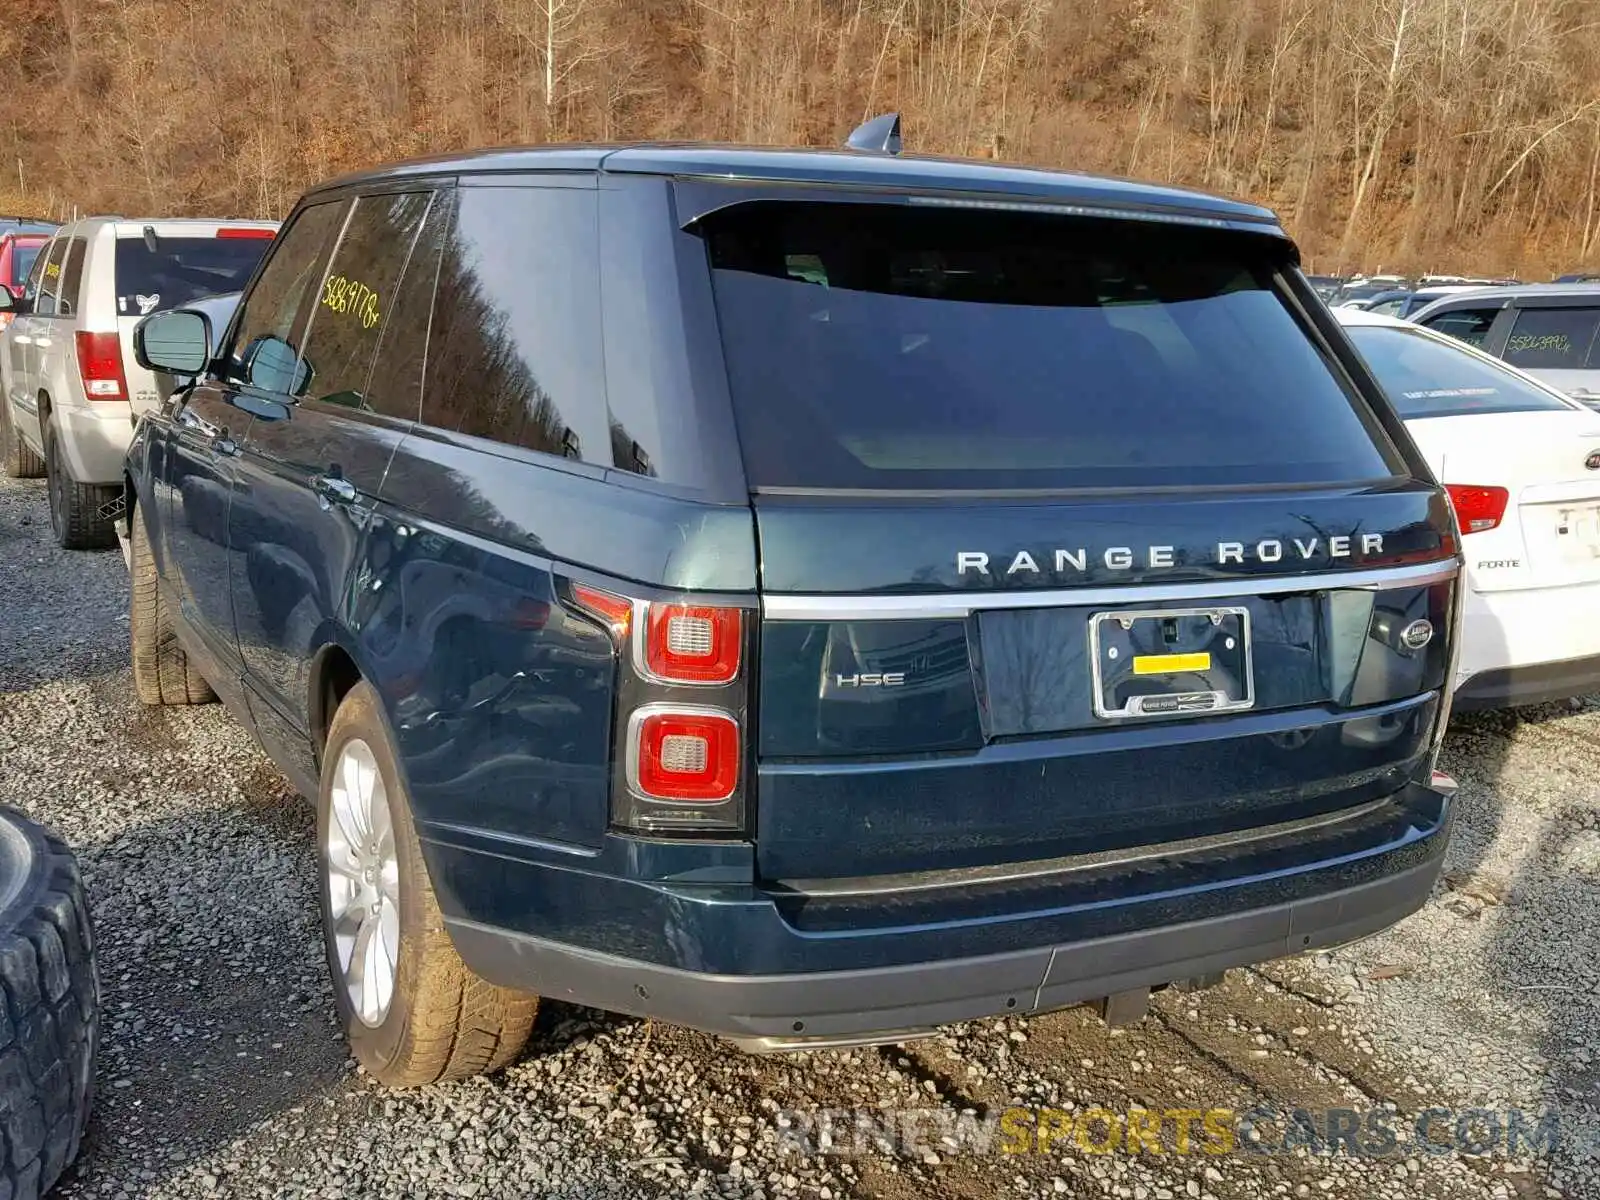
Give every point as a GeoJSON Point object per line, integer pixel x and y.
{"type": "Point", "coordinates": [810, 596]}
{"type": "Point", "coordinates": [1521, 463]}
{"type": "Point", "coordinates": [71, 387]}
{"type": "Point", "coordinates": [1364, 291]}
{"type": "Point", "coordinates": [1550, 330]}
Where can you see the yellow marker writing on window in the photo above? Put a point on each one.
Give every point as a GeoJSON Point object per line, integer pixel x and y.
{"type": "Point", "coordinates": [1170, 664]}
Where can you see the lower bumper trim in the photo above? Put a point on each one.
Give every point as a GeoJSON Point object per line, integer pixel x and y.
{"type": "Point", "coordinates": [793, 1011]}
{"type": "Point", "coordinates": [1536, 683]}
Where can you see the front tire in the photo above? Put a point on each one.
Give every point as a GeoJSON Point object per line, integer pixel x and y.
{"type": "Point", "coordinates": [163, 672]}
{"type": "Point", "coordinates": [414, 1014]}
{"type": "Point", "coordinates": [19, 461]}
{"type": "Point", "coordinates": [76, 509]}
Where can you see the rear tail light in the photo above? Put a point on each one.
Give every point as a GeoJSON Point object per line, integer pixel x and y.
{"type": "Point", "coordinates": [682, 755]}
{"type": "Point", "coordinates": [100, 365]}
{"type": "Point", "coordinates": [1478, 508]}
{"type": "Point", "coordinates": [687, 755]}
{"type": "Point", "coordinates": [693, 644]}
{"type": "Point", "coordinates": [615, 611]}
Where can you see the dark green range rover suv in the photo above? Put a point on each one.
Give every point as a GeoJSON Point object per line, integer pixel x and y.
{"type": "Point", "coordinates": [807, 596]}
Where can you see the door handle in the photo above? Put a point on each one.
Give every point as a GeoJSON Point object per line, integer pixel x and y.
{"type": "Point", "coordinates": [334, 487]}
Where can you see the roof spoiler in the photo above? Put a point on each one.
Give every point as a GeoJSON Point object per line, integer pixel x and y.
{"type": "Point", "coordinates": [881, 135]}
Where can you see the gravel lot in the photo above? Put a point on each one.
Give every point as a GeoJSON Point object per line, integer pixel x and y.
{"type": "Point", "coordinates": [222, 1072]}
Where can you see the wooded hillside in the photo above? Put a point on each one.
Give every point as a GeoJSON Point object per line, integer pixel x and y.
{"type": "Point", "coordinates": [1444, 135]}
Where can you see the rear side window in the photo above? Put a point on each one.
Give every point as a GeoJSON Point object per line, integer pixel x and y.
{"type": "Point", "coordinates": [1469, 325]}
{"type": "Point", "coordinates": [156, 272]}
{"type": "Point", "coordinates": [67, 303]}
{"type": "Point", "coordinates": [892, 346]}
{"type": "Point", "coordinates": [1552, 338]}
{"type": "Point", "coordinates": [395, 386]}
{"type": "Point", "coordinates": [357, 295]}
{"type": "Point", "coordinates": [1389, 308]}
{"type": "Point", "coordinates": [1427, 378]}
{"type": "Point", "coordinates": [515, 353]}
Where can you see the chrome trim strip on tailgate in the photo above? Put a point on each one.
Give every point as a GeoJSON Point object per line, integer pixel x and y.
{"type": "Point", "coordinates": [791, 607]}
{"type": "Point", "coordinates": [920, 881]}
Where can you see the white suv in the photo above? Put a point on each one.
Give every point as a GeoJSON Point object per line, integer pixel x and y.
{"type": "Point", "coordinates": [70, 390]}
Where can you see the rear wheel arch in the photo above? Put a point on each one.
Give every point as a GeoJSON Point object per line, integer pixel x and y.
{"type": "Point", "coordinates": [439, 1021]}
{"type": "Point", "coordinates": [333, 673]}
{"type": "Point", "coordinates": [130, 499]}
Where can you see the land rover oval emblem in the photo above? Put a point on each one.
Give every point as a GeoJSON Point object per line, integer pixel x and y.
{"type": "Point", "coordinates": [1417, 634]}
{"type": "Point", "coordinates": [1593, 461]}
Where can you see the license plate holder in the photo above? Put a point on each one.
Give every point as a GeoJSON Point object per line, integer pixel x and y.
{"type": "Point", "coordinates": [1577, 531]}
{"type": "Point", "coordinates": [1171, 662]}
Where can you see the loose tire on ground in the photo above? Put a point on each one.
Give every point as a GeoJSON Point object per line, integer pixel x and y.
{"type": "Point", "coordinates": [442, 1022]}
{"type": "Point", "coordinates": [18, 460]}
{"type": "Point", "coordinates": [50, 1019]}
{"type": "Point", "coordinates": [76, 509]}
{"type": "Point", "coordinates": [163, 672]}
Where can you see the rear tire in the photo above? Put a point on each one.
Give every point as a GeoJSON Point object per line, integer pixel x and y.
{"type": "Point", "coordinates": [49, 1007]}
{"type": "Point", "coordinates": [75, 508]}
{"type": "Point", "coordinates": [163, 672]}
{"type": "Point", "coordinates": [433, 1019]}
{"type": "Point", "coordinates": [19, 461]}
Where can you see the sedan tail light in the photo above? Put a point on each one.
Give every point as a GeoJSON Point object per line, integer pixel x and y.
{"type": "Point", "coordinates": [1478, 508]}
{"type": "Point", "coordinates": [100, 365]}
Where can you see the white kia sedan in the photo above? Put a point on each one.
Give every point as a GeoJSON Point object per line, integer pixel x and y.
{"type": "Point", "coordinates": [1522, 465]}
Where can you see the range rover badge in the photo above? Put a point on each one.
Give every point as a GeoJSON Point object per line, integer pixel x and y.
{"type": "Point", "coordinates": [1417, 634]}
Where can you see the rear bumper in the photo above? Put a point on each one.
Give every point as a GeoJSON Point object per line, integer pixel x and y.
{"type": "Point", "coordinates": [1534, 683]}
{"type": "Point", "coordinates": [1528, 646]}
{"type": "Point", "coordinates": [1054, 953]}
{"type": "Point", "coordinates": [94, 440]}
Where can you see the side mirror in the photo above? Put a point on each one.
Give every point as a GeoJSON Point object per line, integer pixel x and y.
{"type": "Point", "coordinates": [273, 365]}
{"type": "Point", "coordinates": [8, 302]}
{"type": "Point", "coordinates": [177, 342]}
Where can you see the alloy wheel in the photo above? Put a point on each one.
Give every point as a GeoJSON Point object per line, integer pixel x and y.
{"type": "Point", "coordinates": [56, 485]}
{"type": "Point", "coordinates": [363, 882]}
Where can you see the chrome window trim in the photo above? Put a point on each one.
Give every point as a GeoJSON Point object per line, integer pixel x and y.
{"type": "Point", "coordinates": [794, 607]}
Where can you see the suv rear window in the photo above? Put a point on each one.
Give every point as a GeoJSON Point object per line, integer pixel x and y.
{"type": "Point", "coordinates": [158, 273]}
{"type": "Point", "coordinates": [1425, 378]}
{"type": "Point", "coordinates": [879, 346]}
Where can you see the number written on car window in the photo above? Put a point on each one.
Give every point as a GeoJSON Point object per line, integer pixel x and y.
{"type": "Point", "coordinates": [345, 295]}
